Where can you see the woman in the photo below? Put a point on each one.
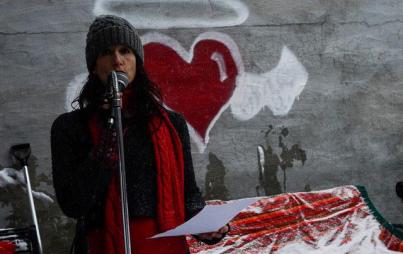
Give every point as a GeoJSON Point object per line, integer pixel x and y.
{"type": "Point", "coordinates": [161, 187]}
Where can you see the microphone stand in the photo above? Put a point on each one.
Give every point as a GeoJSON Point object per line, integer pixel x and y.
{"type": "Point", "coordinates": [117, 120]}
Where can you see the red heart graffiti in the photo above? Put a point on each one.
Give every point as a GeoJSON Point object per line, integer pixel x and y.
{"type": "Point", "coordinates": [193, 88]}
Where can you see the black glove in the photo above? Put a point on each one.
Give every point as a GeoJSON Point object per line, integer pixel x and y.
{"type": "Point", "coordinates": [213, 240]}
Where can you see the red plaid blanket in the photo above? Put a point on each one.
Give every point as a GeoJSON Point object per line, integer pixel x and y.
{"type": "Point", "coordinates": [339, 220]}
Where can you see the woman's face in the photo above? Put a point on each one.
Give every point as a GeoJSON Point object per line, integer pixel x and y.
{"type": "Point", "coordinates": [116, 58]}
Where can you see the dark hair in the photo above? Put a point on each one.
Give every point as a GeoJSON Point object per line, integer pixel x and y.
{"type": "Point", "coordinates": [146, 102]}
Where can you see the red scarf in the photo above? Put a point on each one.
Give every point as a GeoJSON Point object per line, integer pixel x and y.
{"type": "Point", "coordinates": [170, 199]}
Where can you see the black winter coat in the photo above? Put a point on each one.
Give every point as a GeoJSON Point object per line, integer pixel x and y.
{"type": "Point", "coordinates": [81, 182]}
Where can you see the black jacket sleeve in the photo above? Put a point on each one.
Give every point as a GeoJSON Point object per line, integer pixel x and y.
{"type": "Point", "coordinates": [193, 198]}
{"type": "Point", "coordinates": [194, 201]}
{"type": "Point", "coordinates": [79, 180]}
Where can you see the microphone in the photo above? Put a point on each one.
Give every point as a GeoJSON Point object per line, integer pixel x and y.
{"type": "Point", "coordinates": [118, 80]}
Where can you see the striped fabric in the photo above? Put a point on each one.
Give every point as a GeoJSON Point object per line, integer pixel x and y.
{"type": "Point", "coordinates": [339, 220]}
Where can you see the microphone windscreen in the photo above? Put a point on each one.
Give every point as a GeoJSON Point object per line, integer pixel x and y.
{"type": "Point", "coordinates": [118, 80]}
{"type": "Point", "coordinates": [123, 80]}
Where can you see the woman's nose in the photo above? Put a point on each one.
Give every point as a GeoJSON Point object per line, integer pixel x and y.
{"type": "Point", "coordinates": [117, 58]}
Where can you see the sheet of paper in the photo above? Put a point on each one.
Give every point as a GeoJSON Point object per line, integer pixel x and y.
{"type": "Point", "coordinates": [210, 219]}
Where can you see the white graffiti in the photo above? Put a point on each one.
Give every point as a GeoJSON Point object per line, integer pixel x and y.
{"type": "Point", "coordinates": [276, 89]}
{"type": "Point", "coordinates": [164, 14]}
{"type": "Point", "coordinates": [218, 57]}
{"type": "Point", "coordinates": [9, 176]}
{"type": "Point", "coordinates": [73, 89]}
{"type": "Point", "coordinates": [261, 159]}
{"type": "Point", "coordinates": [13, 177]}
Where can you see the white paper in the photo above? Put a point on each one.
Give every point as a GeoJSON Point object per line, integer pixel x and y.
{"type": "Point", "coordinates": [210, 219]}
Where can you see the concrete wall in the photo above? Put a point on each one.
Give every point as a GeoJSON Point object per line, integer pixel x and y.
{"type": "Point", "coordinates": [316, 85]}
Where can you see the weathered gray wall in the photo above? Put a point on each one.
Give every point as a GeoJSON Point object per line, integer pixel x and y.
{"type": "Point", "coordinates": [343, 128]}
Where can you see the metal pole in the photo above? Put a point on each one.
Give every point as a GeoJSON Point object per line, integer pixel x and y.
{"type": "Point", "coordinates": [117, 114]}
{"type": "Point", "coordinates": [32, 205]}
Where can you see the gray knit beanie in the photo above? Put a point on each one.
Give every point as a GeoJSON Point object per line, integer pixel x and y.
{"type": "Point", "coordinates": [108, 30]}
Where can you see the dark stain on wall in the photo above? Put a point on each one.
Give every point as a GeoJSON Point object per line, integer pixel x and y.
{"type": "Point", "coordinates": [214, 183]}
{"type": "Point", "coordinates": [269, 163]}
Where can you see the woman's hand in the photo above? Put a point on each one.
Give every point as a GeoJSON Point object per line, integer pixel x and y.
{"type": "Point", "coordinates": [214, 235]}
